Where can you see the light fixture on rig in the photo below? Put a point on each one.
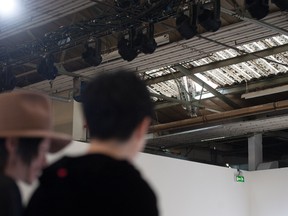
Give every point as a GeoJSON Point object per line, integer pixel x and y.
{"type": "Point", "coordinates": [258, 9]}
{"type": "Point", "coordinates": [148, 44]}
{"type": "Point", "coordinates": [92, 56]}
{"type": "Point", "coordinates": [209, 18]}
{"type": "Point", "coordinates": [187, 25]}
{"type": "Point", "coordinates": [128, 48]}
{"type": "Point", "coordinates": [79, 87]}
{"type": "Point", "coordinates": [282, 4]}
{"type": "Point", "coordinates": [46, 67]}
{"type": "Point", "coordinates": [7, 79]}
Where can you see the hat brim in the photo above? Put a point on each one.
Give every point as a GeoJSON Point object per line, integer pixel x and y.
{"type": "Point", "coordinates": [58, 140]}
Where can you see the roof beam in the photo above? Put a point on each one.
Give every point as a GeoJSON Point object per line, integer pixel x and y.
{"type": "Point", "coordinates": [223, 63]}
{"type": "Point", "coordinates": [226, 100]}
{"type": "Point", "coordinates": [216, 117]}
{"type": "Point", "coordinates": [177, 101]}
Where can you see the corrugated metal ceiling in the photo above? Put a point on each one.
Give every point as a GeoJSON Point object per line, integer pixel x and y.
{"type": "Point", "coordinates": [198, 51]}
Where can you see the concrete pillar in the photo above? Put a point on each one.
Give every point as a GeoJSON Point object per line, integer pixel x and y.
{"type": "Point", "coordinates": [79, 130]}
{"type": "Point", "coordinates": [255, 151]}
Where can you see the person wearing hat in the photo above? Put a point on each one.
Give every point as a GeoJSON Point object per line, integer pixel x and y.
{"type": "Point", "coordinates": [118, 111]}
{"type": "Point", "coordinates": [25, 137]}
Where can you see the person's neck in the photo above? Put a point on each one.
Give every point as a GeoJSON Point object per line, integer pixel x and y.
{"type": "Point", "coordinates": [111, 148]}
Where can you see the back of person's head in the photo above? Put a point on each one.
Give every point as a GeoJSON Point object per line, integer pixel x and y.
{"type": "Point", "coordinates": [114, 104]}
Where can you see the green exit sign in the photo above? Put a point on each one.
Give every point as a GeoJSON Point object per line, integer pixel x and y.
{"type": "Point", "coordinates": [240, 178]}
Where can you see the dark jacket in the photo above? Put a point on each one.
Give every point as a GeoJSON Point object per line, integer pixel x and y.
{"type": "Point", "coordinates": [92, 185]}
{"type": "Point", "coordinates": [10, 197]}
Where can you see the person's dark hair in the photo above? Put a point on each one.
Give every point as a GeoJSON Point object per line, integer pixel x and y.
{"type": "Point", "coordinates": [114, 103]}
{"type": "Point", "coordinates": [27, 149]}
{"type": "Point", "coordinates": [3, 154]}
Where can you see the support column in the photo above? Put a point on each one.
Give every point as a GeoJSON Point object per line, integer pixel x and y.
{"type": "Point", "coordinates": [255, 151]}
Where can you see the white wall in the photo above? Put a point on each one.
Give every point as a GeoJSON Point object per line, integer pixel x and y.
{"type": "Point", "coordinates": [186, 188]}
{"type": "Point", "coordinates": [269, 192]}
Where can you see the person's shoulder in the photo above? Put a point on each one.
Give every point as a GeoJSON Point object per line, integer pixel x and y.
{"type": "Point", "coordinates": [68, 168]}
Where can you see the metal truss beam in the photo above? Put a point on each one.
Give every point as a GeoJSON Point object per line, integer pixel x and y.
{"type": "Point", "coordinates": [226, 100]}
{"type": "Point", "coordinates": [223, 63]}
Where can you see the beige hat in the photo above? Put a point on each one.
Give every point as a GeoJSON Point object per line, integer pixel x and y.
{"type": "Point", "coordinates": [27, 114]}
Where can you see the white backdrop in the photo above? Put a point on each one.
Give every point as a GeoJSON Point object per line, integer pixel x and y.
{"type": "Point", "coordinates": [187, 188]}
{"type": "Point", "coordinates": [269, 192]}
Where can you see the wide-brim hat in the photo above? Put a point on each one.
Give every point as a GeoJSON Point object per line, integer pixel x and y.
{"type": "Point", "coordinates": [29, 114]}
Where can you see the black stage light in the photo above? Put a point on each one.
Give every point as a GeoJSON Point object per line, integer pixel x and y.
{"type": "Point", "coordinates": [209, 19]}
{"type": "Point", "coordinates": [46, 68]}
{"type": "Point", "coordinates": [92, 56]}
{"type": "Point", "coordinates": [184, 27]}
{"type": "Point", "coordinates": [7, 80]}
{"type": "Point", "coordinates": [79, 87]}
{"type": "Point", "coordinates": [126, 49]}
{"type": "Point", "coordinates": [258, 9]}
{"type": "Point", "coordinates": [282, 4]}
{"type": "Point", "coordinates": [148, 43]}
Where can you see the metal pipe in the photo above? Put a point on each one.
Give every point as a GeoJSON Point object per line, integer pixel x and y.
{"type": "Point", "coordinates": [216, 117]}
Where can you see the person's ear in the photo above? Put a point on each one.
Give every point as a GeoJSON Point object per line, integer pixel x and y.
{"type": "Point", "coordinates": [143, 127]}
{"type": "Point", "coordinates": [11, 144]}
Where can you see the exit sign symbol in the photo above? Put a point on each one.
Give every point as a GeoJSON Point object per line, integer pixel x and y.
{"type": "Point", "coordinates": [240, 178]}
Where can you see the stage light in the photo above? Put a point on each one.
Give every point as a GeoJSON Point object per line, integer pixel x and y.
{"type": "Point", "coordinates": [126, 49]}
{"type": "Point", "coordinates": [46, 67]}
{"type": "Point", "coordinates": [258, 9]}
{"type": "Point", "coordinates": [282, 4]}
{"type": "Point", "coordinates": [210, 19]}
{"type": "Point", "coordinates": [207, 21]}
{"type": "Point", "coordinates": [184, 27]}
{"type": "Point", "coordinates": [187, 25]}
{"type": "Point", "coordinates": [129, 48]}
{"type": "Point", "coordinates": [148, 43]}
{"type": "Point", "coordinates": [7, 80]}
{"type": "Point", "coordinates": [8, 8]}
{"type": "Point", "coordinates": [79, 87]}
{"type": "Point", "coordinates": [92, 56]}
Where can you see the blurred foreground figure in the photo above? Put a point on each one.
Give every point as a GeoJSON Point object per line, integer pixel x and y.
{"type": "Point", "coordinates": [25, 137]}
{"type": "Point", "coordinates": [118, 111]}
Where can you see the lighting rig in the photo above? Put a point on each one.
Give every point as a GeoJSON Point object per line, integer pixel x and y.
{"type": "Point", "coordinates": [137, 42]}
{"type": "Point", "coordinates": [282, 4]}
{"type": "Point", "coordinates": [7, 79]}
{"type": "Point", "coordinates": [92, 56]}
{"type": "Point", "coordinates": [46, 67]}
{"type": "Point", "coordinates": [205, 14]}
{"type": "Point", "coordinates": [122, 16]}
{"type": "Point", "coordinates": [258, 9]}
{"type": "Point", "coordinates": [134, 19]}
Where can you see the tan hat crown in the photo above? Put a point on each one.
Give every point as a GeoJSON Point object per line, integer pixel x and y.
{"type": "Point", "coordinates": [29, 114]}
